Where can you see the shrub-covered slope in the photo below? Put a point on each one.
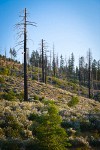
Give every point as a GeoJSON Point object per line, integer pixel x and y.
{"type": "Point", "coordinates": [80, 116]}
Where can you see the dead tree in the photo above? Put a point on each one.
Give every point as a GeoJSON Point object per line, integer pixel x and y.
{"type": "Point", "coordinates": [42, 61]}
{"type": "Point", "coordinates": [24, 23]}
{"type": "Point", "coordinates": [45, 69]}
{"type": "Point", "coordinates": [89, 72]}
{"type": "Point", "coordinates": [54, 63]}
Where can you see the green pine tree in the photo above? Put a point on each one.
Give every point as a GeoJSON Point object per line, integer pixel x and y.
{"type": "Point", "coordinates": [48, 131]}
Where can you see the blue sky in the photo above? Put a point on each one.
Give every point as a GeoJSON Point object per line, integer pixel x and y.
{"type": "Point", "coordinates": [72, 25]}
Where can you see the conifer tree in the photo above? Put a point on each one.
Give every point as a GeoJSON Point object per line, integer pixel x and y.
{"type": "Point", "coordinates": [48, 131]}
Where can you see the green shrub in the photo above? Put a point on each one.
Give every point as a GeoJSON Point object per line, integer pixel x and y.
{"type": "Point", "coordinates": [47, 101]}
{"type": "Point", "coordinates": [85, 126]}
{"type": "Point", "coordinates": [10, 96]}
{"type": "Point", "coordinates": [9, 145]}
{"type": "Point", "coordinates": [4, 71]}
{"type": "Point", "coordinates": [1, 132]}
{"type": "Point", "coordinates": [11, 127]}
{"type": "Point", "coordinates": [2, 80]}
{"type": "Point", "coordinates": [20, 96]}
{"type": "Point", "coordinates": [11, 133]}
{"type": "Point", "coordinates": [74, 101]}
{"type": "Point", "coordinates": [32, 116]}
{"type": "Point", "coordinates": [36, 97]}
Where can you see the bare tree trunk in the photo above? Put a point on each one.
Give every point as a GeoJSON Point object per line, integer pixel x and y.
{"type": "Point", "coordinates": [42, 62]}
{"type": "Point", "coordinates": [25, 63]}
{"type": "Point", "coordinates": [89, 74]}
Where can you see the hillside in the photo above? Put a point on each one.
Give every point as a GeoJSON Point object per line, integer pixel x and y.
{"type": "Point", "coordinates": [14, 68]}
{"type": "Point", "coordinates": [80, 115]}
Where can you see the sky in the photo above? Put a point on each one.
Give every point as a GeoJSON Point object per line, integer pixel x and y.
{"type": "Point", "coordinates": [72, 25]}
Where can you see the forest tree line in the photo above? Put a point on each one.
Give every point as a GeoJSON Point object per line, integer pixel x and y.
{"type": "Point", "coordinates": [87, 73]}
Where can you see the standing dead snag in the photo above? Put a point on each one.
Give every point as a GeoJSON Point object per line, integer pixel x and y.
{"type": "Point", "coordinates": [24, 24]}
{"type": "Point", "coordinates": [42, 61]}
{"type": "Point", "coordinates": [89, 72]}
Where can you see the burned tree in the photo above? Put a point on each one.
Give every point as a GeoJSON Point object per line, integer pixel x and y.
{"type": "Point", "coordinates": [44, 62]}
{"type": "Point", "coordinates": [54, 62]}
{"type": "Point", "coordinates": [23, 26]}
{"type": "Point", "coordinates": [89, 72]}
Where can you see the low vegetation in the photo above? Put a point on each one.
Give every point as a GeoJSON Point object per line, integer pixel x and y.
{"type": "Point", "coordinates": [74, 101]}
{"type": "Point", "coordinates": [53, 118]}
